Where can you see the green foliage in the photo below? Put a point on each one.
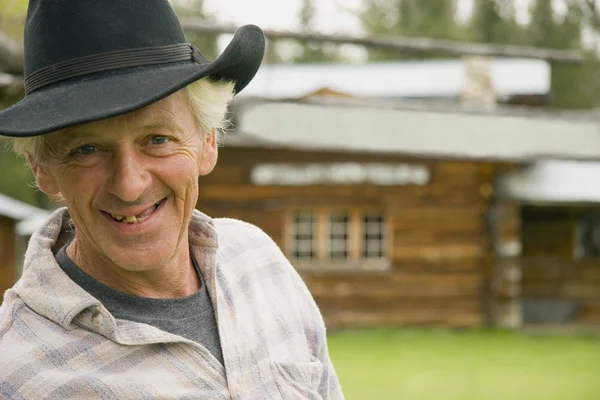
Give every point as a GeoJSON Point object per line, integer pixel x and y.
{"type": "Point", "coordinates": [494, 21]}
{"type": "Point", "coordinates": [17, 180]}
{"type": "Point", "coordinates": [311, 52]}
{"type": "Point", "coordinates": [12, 18]}
{"type": "Point", "coordinates": [573, 86]}
{"type": "Point", "coordinates": [207, 44]}
{"type": "Point", "coordinates": [413, 18]}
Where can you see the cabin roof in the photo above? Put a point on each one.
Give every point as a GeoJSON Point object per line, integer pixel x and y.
{"type": "Point", "coordinates": [28, 217]}
{"type": "Point", "coordinates": [16, 209]}
{"type": "Point", "coordinates": [422, 129]}
{"type": "Point", "coordinates": [552, 181]}
{"type": "Point", "coordinates": [442, 78]}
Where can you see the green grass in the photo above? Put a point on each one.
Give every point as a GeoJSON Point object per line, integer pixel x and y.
{"type": "Point", "coordinates": [446, 365]}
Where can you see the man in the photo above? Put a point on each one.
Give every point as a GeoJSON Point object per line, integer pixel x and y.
{"type": "Point", "coordinates": [128, 291]}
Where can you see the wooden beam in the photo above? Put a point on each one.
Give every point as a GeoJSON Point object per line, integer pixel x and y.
{"type": "Point", "coordinates": [401, 44]}
{"type": "Point", "coordinates": [11, 53]}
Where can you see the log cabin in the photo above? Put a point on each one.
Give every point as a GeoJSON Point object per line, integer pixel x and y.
{"type": "Point", "coordinates": [18, 220]}
{"type": "Point", "coordinates": [396, 214]}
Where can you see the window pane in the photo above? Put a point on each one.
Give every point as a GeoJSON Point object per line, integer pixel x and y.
{"type": "Point", "coordinates": [373, 235]}
{"type": "Point", "coordinates": [589, 240]}
{"type": "Point", "coordinates": [304, 236]}
{"type": "Point", "coordinates": [338, 236]}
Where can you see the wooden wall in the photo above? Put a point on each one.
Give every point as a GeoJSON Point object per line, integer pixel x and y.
{"type": "Point", "coordinates": [7, 255]}
{"type": "Point", "coordinates": [437, 232]}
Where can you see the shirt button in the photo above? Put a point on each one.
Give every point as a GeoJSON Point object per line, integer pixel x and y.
{"type": "Point", "coordinates": [97, 319]}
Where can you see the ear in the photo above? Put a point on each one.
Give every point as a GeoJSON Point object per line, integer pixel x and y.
{"type": "Point", "coordinates": [210, 154]}
{"type": "Point", "coordinates": [45, 180]}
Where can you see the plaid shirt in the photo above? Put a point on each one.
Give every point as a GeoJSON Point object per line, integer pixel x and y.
{"type": "Point", "coordinates": [59, 342]}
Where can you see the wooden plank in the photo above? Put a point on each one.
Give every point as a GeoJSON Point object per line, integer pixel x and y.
{"type": "Point", "coordinates": [437, 252]}
{"type": "Point", "coordinates": [7, 255]}
{"type": "Point", "coordinates": [589, 312]}
{"type": "Point", "coordinates": [567, 290]}
{"type": "Point", "coordinates": [389, 285]}
{"type": "Point", "coordinates": [418, 318]}
{"type": "Point", "coordinates": [397, 303]}
{"type": "Point", "coordinates": [419, 265]}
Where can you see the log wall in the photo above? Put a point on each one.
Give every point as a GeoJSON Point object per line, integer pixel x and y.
{"type": "Point", "coordinates": [7, 255]}
{"type": "Point", "coordinates": [437, 236]}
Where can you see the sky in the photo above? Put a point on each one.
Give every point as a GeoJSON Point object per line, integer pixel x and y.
{"type": "Point", "coordinates": [333, 16]}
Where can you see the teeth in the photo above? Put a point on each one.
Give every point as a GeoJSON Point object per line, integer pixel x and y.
{"type": "Point", "coordinates": [117, 217]}
{"type": "Point", "coordinates": [132, 219]}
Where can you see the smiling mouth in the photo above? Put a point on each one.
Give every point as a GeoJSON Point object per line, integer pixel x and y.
{"type": "Point", "coordinates": [136, 219]}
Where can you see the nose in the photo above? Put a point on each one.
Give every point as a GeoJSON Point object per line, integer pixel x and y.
{"type": "Point", "coordinates": [129, 178]}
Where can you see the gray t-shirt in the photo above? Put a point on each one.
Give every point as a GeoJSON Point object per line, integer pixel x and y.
{"type": "Point", "coordinates": [191, 317]}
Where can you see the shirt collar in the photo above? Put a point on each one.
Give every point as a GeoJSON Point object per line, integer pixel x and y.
{"type": "Point", "coordinates": [48, 291]}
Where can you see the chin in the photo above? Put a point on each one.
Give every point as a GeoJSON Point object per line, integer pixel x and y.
{"type": "Point", "coordinates": [143, 259]}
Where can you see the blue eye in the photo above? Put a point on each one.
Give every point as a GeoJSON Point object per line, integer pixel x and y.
{"type": "Point", "coordinates": [86, 149]}
{"type": "Point", "coordinates": [159, 140]}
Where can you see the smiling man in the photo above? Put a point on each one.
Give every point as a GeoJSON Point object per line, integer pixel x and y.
{"type": "Point", "coordinates": [128, 291]}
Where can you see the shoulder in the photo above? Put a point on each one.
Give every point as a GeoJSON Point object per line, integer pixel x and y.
{"type": "Point", "coordinates": [246, 247]}
{"type": "Point", "coordinates": [236, 226]}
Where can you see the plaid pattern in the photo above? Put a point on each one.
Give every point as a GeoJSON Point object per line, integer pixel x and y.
{"type": "Point", "coordinates": [58, 342]}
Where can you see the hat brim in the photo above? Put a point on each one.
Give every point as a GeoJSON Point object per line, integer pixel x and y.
{"type": "Point", "coordinates": [108, 94]}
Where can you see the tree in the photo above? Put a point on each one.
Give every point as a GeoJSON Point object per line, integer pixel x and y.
{"type": "Point", "coordinates": [207, 44]}
{"type": "Point", "coordinates": [416, 18]}
{"type": "Point", "coordinates": [310, 52]}
{"type": "Point", "coordinates": [494, 21]}
{"type": "Point", "coordinates": [12, 18]}
{"type": "Point", "coordinates": [573, 86]}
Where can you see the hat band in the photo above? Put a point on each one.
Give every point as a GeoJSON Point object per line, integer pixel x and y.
{"type": "Point", "coordinates": [110, 61]}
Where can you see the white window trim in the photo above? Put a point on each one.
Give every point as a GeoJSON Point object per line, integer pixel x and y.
{"type": "Point", "coordinates": [355, 261]}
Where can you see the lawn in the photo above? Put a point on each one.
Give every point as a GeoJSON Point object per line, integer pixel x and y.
{"type": "Point", "coordinates": [445, 365]}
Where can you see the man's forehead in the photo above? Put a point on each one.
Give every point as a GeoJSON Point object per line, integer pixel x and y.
{"type": "Point", "coordinates": [163, 113]}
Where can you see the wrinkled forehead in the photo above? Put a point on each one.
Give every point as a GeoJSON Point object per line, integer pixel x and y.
{"type": "Point", "coordinates": [172, 112]}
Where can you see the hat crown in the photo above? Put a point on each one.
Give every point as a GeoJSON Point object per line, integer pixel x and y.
{"type": "Point", "coordinates": [60, 30]}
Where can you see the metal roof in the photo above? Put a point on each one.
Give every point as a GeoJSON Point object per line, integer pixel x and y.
{"type": "Point", "coordinates": [28, 217]}
{"type": "Point", "coordinates": [400, 79]}
{"type": "Point", "coordinates": [422, 131]}
{"type": "Point", "coordinates": [15, 209]}
{"type": "Point", "coordinates": [553, 181]}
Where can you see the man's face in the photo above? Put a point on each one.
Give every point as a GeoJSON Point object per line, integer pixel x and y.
{"type": "Point", "coordinates": [131, 182]}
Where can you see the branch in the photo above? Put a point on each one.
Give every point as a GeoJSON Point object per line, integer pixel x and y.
{"type": "Point", "coordinates": [11, 55]}
{"type": "Point", "coordinates": [402, 44]}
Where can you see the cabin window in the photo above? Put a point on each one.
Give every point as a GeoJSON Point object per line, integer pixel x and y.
{"type": "Point", "coordinates": [339, 225]}
{"type": "Point", "coordinates": [588, 238]}
{"type": "Point", "coordinates": [372, 235]}
{"type": "Point", "coordinates": [304, 236]}
{"type": "Point", "coordinates": [337, 239]}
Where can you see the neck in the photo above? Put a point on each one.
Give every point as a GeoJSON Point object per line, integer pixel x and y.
{"type": "Point", "coordinates": [177, 278]}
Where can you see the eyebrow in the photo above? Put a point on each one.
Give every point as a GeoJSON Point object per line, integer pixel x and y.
{"type": "Point", "coordinates": [71, 135]}
{"type": "Point", "coordinates": [74, 134]}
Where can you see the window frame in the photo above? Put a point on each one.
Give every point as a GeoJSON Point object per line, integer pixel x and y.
{"type": "Point", "coordinates": [355, 260]}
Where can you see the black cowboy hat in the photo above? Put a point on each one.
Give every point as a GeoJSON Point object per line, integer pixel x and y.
{"type": "Point", "coordinates": [87, 60]}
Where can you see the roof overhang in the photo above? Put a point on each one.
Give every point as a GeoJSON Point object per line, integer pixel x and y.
{"type": "Point", "coordinates": [552, 182]}
{"type": "Point", "coordinates": [427, 130]}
